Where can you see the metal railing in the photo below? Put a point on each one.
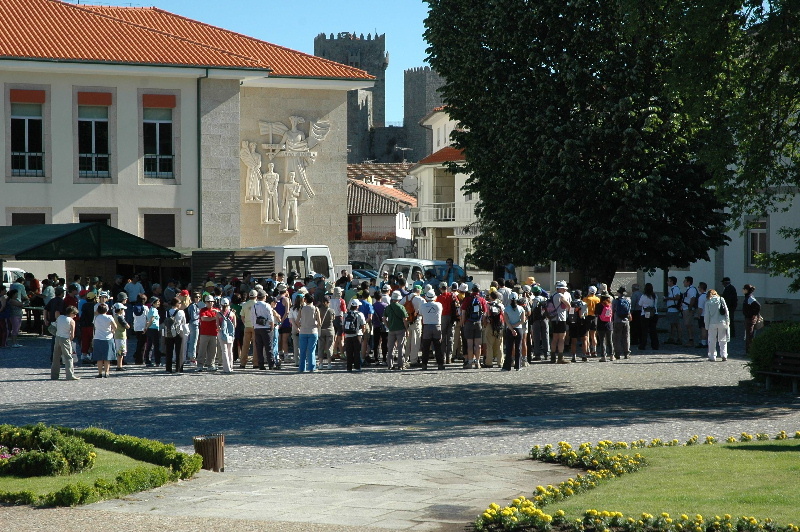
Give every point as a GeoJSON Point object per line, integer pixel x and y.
{"type": "Point", "coordinates": [159, 166]}
{"type": "Point", "coordinates": [462, 213]}
{"type": "Point", "coordinates": [93, 165]}
{"type": "Point", "coordinates": [28, 164]}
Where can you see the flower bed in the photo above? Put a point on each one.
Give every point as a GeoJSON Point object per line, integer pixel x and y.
{"type": "Point", "coordinates": [168, 465]}
{"type": "Point", "coordinates": [43, 451]}
{"type": "Point", "coordinates": [603, 462]}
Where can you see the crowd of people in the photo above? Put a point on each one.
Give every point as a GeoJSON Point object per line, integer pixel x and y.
{"type": "Point", "coordinates": [390, 321]}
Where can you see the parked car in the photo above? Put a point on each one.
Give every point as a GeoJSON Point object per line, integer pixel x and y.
{"type": "Point", "coordinates": [409, 267]}
{"type": "Point", "coordinates": [372, 274]}
{"type": "Point", "coordinates": [361, 265]}
{"type": "Point", "coordinates": [12, 274]}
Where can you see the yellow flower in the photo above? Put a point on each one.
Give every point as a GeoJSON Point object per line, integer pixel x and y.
{"type": "Point", "coordinates": [494, 506]}
{"type": "Point", "coordinates": [560, 513]}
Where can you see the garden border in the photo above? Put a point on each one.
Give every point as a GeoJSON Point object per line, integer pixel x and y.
{"type": "Point", "coordinates": [168, 465]}
{"type": "Point", "coordinates": [528, 513]}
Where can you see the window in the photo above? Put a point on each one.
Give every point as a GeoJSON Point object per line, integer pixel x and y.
{"type": "Point", "coordinates": [159, 229]}
{"type": "Point", "coordinates": [319, 264]}
{"type": "Point", "coordinates": [297, 264]}
{"type": "Point", "coordinates": [756, 240]}
{"type": "Point", "coordinates": [93, 157]}
{"type": "Point", "coordinates": [27, 139]}
{"type": "Point", "coordinates": [157, 139]}
{"type": "Point", "coordinates": [28, 218]}
{"type": "Point", "coordinates": [354, 227]}
{"type": "Point", "coordinates": [86, 217]}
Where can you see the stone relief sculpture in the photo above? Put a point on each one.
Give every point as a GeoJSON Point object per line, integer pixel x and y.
{"type": "Point", "coordinates": [269, 188]}
{"type": "Point", "coordinates": [252, 160]}
{"type": "Point", "coordinates": [292, 149]}
{"type": "Point", "coordinates": [291, 193]}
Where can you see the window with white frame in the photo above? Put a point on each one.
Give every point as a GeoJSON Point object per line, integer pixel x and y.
{"type": "Point", "coordinates": [756, 240]}
{"type": "Point", "coordinates": [159, 157]}
{"type": "Point", "coordinates": [27, 139]}
{"type": "Point", "coordinates": [93, 156]}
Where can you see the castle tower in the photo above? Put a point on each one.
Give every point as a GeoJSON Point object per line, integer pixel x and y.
{"type": "Point", "coordinates": [366, 108]}
{"type": "Point", "coordinates": [421, 96]}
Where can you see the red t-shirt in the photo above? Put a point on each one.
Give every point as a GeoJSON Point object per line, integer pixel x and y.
{"type": "Point", "coordinates": [70, 301]}
{"type": "Point", "coordinates": [447, 299]}
{"type": "Point", "coordinates": [208, 328]}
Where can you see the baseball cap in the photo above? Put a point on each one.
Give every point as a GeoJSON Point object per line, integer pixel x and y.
{"type": "Point", "coordinates": [513, 296]}
{"type": "Point", "coordinates": [430, 294]}
{"type": "Point", "coordinates": [90, 295]}
{"type": "Point", "coordinates": [184, 293]}
{"type": "Point", "coordinates": [337, 291]}
{"type": "Point", "coordinates": [442, 285]}
{"type": "Point", "coordinates": [102, 294]}
{"type": "Point", "coordinates": [396, 295]}
{"type": "Point", "coordinates": [454, 286]}
{"type": "Point", "coordinates": [561, 284]}
{"type": "Point", "coordinates": [526, 288]}
{"type": "Point", "coordinates": [592, 289]}
{"type": "Point", "coordinates": [386, 288]}
{"type": "Point", "coordinates": [355, 303]}
{"type": "Point", "coordinates": [209, 298]}
{"type": "Point", "coordinates": [281, 287]}
{"type": "Point", "coordinates": [154, 299]}
{"type": "Point", "coordinates": [122, 296]}
{"type": "Point", "coordinates": [209, 284]}
{"type": "Point", "coordinates": [417, 288]}
{"type": "Point", "coordinates": [118, 306]}
{"type": "Point", "coordinates": [225, 301]}
{"type": "Point", "coordinates": [536, 290]}
{"type": "Point", "coordinates": [252, 293]}
{"type": "Point", "coordinates": [463, 287]}
{"type": "Point", "coordinates": [261, 293]}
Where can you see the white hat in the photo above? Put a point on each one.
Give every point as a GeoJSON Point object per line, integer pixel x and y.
{"type": "Point", "coordinates": [337, 291]}
{"type": "Point", "coordinates": [225, 301]}
{"type": "Point", "coordinates": [396, 295]}
{"type": "Point", "coordinates": [430, 294]}
{"type": "Point", "coordinates": [463, 287]}
{"type": "Point", "coordinates": [355, 302]}
{"type": "Point", "coordinates": [561, 284]}
{"type": "Point", "coordinates": [208, 298]}
{"type": "Point", "coordinates": [592, 289]}
{"type": "Point", "coordinates": [118, 306]}
{"type": "Point", "coordinates": [513, 296]}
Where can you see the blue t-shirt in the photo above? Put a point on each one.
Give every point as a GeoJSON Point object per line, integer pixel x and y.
{"type": "Point", "coordinates": [152, 313]}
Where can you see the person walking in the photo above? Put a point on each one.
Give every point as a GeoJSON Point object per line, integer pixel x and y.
{"type": "Point", "coordinates": [751, 311]}
{"type": "Point", "coordinates": [62, 352]}
{"type": "Point", "coordinates": [716, 321]}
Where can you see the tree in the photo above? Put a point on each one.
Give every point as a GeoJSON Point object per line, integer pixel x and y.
{"type": "Point", "coordinates": [578, 149]}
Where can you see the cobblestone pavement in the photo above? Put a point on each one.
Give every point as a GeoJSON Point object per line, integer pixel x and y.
{"type": "Point", "coordinates": [288, 421]}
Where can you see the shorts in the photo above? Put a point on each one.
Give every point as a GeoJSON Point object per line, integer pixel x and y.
{"type": "Point", "coordinates": [557, 327]}
{"type": "Point", "coordinates": [472, 330]}
{"type": "Point", "coordinates": [673, 318]}
{"type": "Point", "coordinates": [578, 330]}
{"type": "Point", "coordinates": [591, 323]}
{"type": "Point", "coordinates": [337, 324]}
{"type": "Point", "coordinates": [285, 330]}
{"type": "Point", "coordinates": [120, 346]}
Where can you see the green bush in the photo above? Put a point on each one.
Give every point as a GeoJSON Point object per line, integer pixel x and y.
{"type": "Point", "coordinates": [48, 451]}
{"type": "Point", "coordinates": [182, 465]}
{"type": "Point", "coordinates": [775, 337]}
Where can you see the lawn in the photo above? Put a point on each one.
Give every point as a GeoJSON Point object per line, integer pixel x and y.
{"type": "Point", "coordinates": [758, 478]}
{"type": "Point", "coordinates": [107, 465]}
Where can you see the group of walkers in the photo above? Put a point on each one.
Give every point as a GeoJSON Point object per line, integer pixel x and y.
{"type": "Point", "coordinates": [386, 321]}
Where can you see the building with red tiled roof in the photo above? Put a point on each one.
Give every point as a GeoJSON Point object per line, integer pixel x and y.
{"type": "Point", "coordinates": [390, 172]}
{"type": "Point", "coordinates": [378, 221]}
{"type": "Point", "coordinates": [186, 134]}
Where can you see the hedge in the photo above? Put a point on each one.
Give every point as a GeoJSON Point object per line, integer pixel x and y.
{"type": "Point", "coordinates": [776, 337]}
{"type": "Point", "coordinates": [169, 465]}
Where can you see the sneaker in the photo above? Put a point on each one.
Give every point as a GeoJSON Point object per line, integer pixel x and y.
{"type": "Point", "coordinates": [17, 346]}
{"type": "Point", "coordinates": [73, 378]}
{"type": "Point", "coordinates": [212, 368]}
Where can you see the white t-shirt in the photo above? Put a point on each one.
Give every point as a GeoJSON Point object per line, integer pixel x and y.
{"type": "Point", "coordinates": [63, 326]}
{"type": "Point", "coordinates": [687, 297]}
{"type": "Point", "coordinates": [561, 301]}
{"type": "Point", "coordinates": [431, 312]}
{"type": "Point", "coordinates": [261, 309]}
{"type": "Point", "coordinates": [103, 327]}
{"type": "Point", "coordinates": [505, 293]}
{"type": "Point", "coordinates": [673, 292]}
{"type": "Point", "coordinates": [701, 304]}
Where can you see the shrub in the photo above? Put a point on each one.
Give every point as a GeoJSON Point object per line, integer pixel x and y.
{"type": "Point", "coordinates": [776, 337]}
{"type": "Point", "coordinates": [47, 451]}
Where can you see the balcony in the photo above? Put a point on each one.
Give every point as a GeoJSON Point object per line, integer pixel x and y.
{"type": "Point", "coordinates": [444, 214]}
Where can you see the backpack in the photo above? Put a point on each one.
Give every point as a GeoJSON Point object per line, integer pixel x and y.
{"type": "Point", "coordinates": [350, 325]}
{"type": "Point", "coordinates": [605, 313]}
{"type": "Point", "coordinates": [409, 306]}
{"type": "Point", "coordinates": [476, 310]}
{"type": "Point", "coordinates": [495, 316]}
{"type": "Point", "coordinates": [574, 316]}
{"type": "Point", "coordinates": [623, 308]}
{"type": "Point", "coordinates": [551, 308]}
{"type": "Point", "coordinates": [170, 327]}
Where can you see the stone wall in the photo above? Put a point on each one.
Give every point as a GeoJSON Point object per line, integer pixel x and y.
{"type": "Point", "coordinates": [421, 96]}
{"type": "Point", "coordinates": [220, 174]}
{"type": "Point", "coordinates": [322, 218]}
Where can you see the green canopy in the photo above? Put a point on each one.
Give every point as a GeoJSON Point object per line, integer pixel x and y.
{"type": "Point", "coordinates": [84, 241]}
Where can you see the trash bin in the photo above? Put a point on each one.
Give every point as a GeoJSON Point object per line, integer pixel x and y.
{"type": "Point", "coordinates": [212, 448]}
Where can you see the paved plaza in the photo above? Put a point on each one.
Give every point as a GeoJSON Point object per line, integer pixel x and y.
{"type": "Point", "coordinates": [375, 451]}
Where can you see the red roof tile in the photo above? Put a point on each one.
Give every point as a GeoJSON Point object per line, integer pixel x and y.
{"type": "Point", "coordinates": [364, 198]}
{"type": "Point", "coordinates": [282, 61]}
{"type": "Point", "coordinates": [445, 155]}
{"type": "Point", "coordinates": [59, 31]}
{"type": "Point", "coordinates": [392, 171]}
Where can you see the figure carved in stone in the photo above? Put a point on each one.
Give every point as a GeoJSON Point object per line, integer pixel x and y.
{"type": "Point", "coordinates": [269, 207]}
{"type": "Point", "coordinates": [296, 146]}
{"type": "Point", "coordinates": [252, 160]}
{"type": "Point", "coordinates": [291, 193]}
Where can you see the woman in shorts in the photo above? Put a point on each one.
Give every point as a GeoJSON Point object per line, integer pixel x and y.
{"type": "Point", "coordinates": [103, 351]}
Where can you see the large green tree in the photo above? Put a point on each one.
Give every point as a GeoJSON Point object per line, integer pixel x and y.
{"type": "Point", "coordinates": [580, 149]}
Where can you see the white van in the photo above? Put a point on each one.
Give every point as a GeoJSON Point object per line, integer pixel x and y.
{"type": "Point", "coordinates": [409, 268]}
{"type": "Point", "coordinates": [12, 274]}
{"type": "Point", "coordinates": [303, 259]}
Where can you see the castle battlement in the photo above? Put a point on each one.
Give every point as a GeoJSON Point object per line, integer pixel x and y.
{"type": "Point", "coordinates": [348, 36]}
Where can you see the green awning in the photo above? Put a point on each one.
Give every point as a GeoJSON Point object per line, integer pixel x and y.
{"type": "Point", "coordinates": [83, 241]}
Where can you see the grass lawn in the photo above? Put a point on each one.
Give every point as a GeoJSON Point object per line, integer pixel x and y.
{"type": "Point", "coordinates": [759, 479]}
{"type": "Point", "coordinates": [107, 465]}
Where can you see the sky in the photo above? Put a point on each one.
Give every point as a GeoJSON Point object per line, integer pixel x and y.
{"type": "Point", "coordinates": [295, 24]}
